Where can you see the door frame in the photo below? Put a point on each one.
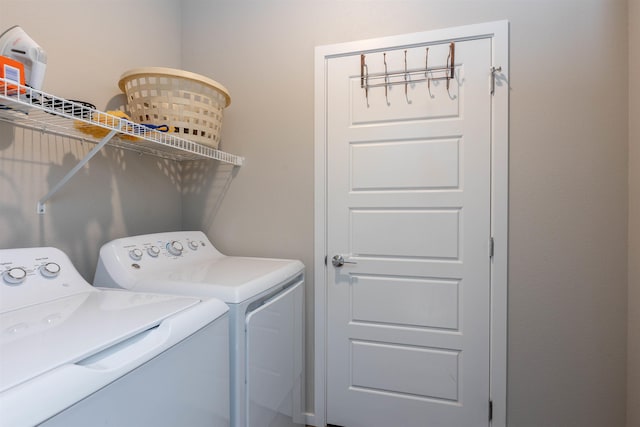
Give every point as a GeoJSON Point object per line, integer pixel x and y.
{"type": "Point", "coordinates": [498, 31]}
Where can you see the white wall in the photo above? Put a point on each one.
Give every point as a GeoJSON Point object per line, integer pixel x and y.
{"type": "Point", "coordinates": [633, 374]}
{"type": "Point", "coordinates": [568, 193]}
{"type": "Point", "coordinates": [89, 44]}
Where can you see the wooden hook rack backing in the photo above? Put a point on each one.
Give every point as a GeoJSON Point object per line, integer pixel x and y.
{"type": "Point", "coordinates": [407, 76]}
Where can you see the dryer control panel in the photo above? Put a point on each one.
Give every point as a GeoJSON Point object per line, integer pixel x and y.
{"type": "Point", "coordinates": [187, 263]}
{"type": "Point", "coordinates": [36, 275]}
{"type": "Point", "coordinates": [152, 254]}
{"type": "Point", "coordinates": [180, 246]}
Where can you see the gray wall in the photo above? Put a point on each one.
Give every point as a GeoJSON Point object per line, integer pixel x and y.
{"type": "Point", "coordinates": [633, 374]}
{"type": "Point", "coordinates": [89, 44]}
{"type": "Point", "coordinates": [568, 138]}
{"type": "Point", "coordinates": [568, 193]}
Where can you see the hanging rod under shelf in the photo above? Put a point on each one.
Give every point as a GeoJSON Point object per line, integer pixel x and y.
{"type": "Point", "coordinates": [33, 109]}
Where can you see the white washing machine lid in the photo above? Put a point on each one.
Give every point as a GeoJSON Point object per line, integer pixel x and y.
{"type": "Point", "coordinates": [43, 337]}
{"type": "Point", "coordinates": [231, 279]}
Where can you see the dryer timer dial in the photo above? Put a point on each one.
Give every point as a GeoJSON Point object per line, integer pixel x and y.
{"type": "Point", "coordinates": [175, 248]}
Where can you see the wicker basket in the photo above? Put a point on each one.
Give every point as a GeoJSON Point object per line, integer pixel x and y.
{"type": "Point", "coordinates": [190, 104]}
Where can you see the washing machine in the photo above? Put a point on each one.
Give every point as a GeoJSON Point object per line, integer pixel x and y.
{"type": "Point", "coordinates": [75, 355]}
{"type": "Point", "coordinates": [265, 298]}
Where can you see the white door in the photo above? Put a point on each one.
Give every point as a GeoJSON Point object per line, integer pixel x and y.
{"type": "Point", "coordinates": [408, 194]}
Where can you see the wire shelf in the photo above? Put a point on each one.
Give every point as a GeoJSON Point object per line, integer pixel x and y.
{"type": "Point", "coordinates": [33, 109]}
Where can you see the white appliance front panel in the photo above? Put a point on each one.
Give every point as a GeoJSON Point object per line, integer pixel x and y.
{"type": "Point", "coordinates": [180, 387]}
{"type": "Point", "coordinates": [150, 263]}
{"type": "Point", "coordinates": [274, 362]}
{"type": "Point", "coordinates": [35, 398]}
{"type": "Point", "coordinates": [62, 340]}
{"type": "Point", "coordinates": [42, 337]}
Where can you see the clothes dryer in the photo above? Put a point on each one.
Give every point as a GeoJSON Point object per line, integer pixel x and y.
{"type": "Point", "coordinates": [75, 355]}
{"type": "Point", "coordinates": [265, 296]}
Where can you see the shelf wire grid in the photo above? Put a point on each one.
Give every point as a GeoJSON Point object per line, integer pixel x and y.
{"type": "Point", "coordinates": [26, 107]}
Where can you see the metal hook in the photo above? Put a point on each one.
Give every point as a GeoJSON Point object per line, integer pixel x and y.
{"type": "Point", "coordinates": [494, 70]}
{"type": "Point", "coordinates": [386, 78]}
{"type": "Point", "coordinates": [362, 70]}
{"type": "Point", "coordinates": [364, 77]}
{"type": "Point", "coordinates": [451, 62]}
{"type": "Point", "coordinates": [426, 72]}
{"type": "Point", "coordinates": [405, 74]}
{"type": "Point", "coordinates": [366, 84]}
{"type": "Point", "coordinates": [426, 63]}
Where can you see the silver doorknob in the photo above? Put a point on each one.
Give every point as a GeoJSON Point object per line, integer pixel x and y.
{"type": "Point", "coordinates": [338, 261]}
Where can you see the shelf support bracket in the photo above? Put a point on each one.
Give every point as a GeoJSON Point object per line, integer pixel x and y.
{"type": "Point", "coordinates": [41, 207]}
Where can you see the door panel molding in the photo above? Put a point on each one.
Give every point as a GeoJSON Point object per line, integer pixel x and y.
{"type": "Point", "coordinates": [498, 33]}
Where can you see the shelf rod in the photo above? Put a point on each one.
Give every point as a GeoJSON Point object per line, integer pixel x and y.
{"type": "Point", "coordinates": [40, 207]}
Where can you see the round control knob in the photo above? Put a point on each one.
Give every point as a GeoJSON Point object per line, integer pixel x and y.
{"type": "Point", "coordinates": [135, 254]}
{"type": "Point", "coordinates": [193, 245]}
{"type": "Point", "coordinates": [50, 270]}
{"type": "Point", "coordinates": [153, 251]}
{"type": "Point", "coordinates": [14, 276]}
{"type": "Point", "coordinates": [175, 248]}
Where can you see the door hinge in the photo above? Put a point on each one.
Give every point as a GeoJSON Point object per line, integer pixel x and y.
{"type": "Point", "coordinates": [494, 70]}
{"type": "Point", "coordinates": [491, 247]}
{"type": "Point", "coordinates": [490, 410]}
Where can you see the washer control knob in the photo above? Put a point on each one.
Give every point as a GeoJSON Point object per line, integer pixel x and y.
{"type": "Point", "coordinates": [50, 270]}
{"type": "Point", "coordinates": [193, 245]}
{"type": "Point", "coordinates": [153, 251]}
{"type": "Point", "coordinates": [135, 254]}
{"type": "Point", "coordinates": [14, 276]}
{"type": "Point", "coordinates": [175, 248]}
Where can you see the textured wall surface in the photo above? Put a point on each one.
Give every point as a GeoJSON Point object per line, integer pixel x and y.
{"type": "Point", "coordinates": [89, 44]}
